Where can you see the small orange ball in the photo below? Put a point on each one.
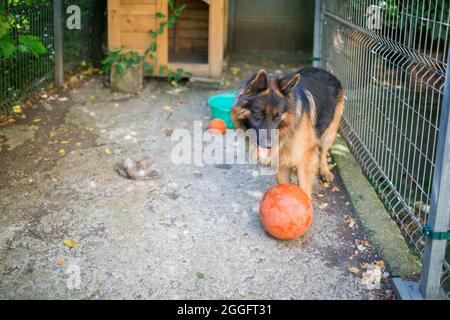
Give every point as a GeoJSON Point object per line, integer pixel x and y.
{"type": "Point", "coordinates": [286, 212]}
{"type": "Point", "coordinates": [218, 126]}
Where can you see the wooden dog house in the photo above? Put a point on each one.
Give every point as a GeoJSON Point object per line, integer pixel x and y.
{"type": "Point", "coordinates": [196, 43]}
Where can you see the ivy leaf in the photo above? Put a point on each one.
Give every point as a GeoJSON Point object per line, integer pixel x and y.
{"type": "Point", "coordinates": [149, 68]}
{"type": "Point", "coordinates": [162, 70]}
{"type": "Point", "coordinates": [161, 15]}
{"type": "Point", "coordinates": [180, 10]}
{"type": "Point", "coordinates": [7, 47]}
{"type": "Point", "coordinates": [153, 47]}
{"type": "Point", "coordinates": [31, 44]}
{"type": "Point", "coordinates": [172, 21]}
{"type": "Point", "coordinates": [121, 67]}
{"type": "Point", "coordinates": [4, 26]}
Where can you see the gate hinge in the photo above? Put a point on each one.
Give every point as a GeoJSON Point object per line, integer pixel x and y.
{"type": "Point", "coordinates": [429, 233]}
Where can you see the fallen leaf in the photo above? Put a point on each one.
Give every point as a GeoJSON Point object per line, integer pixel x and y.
{"type": "Point", "coordinates": [361, 248]}
{"type": "Point", "coordinates": [323, 206]}
{"type": "Point", "coordinates": [168, 131]}
{"type": "Point", "coordinates": [65, 142]}
{"type": "Point", "coordinates": [34, 128]}
{"type": "Point", "coordinates": [335, 189]}
{"type": "Point", "coordinates": [70, 243]}
{"type": "Point", "coordinates": [61, 262]}
{"type": "Point", "coordinates": [17, 109]}
{"type": "Point", "coordinates": [108, 151]}
{"type": "Point", "coordinates": [62, 152]}
{"type": "Point", "coordinates": [372, 277]}
{"type": "Point", "coordinates": [380, 264]}
{"type": "Point", "coordinates": [235, 70]}
{"type": "Point", "coordinates": [351, 223]}
{"type": "Point", "coordinates": [35, 120]}
{"type": "Point", "coordinates": [200, 275]}
{"type": "Point", "coordinates": [353, 270]}
{"type": "Point", "coordinates": [73, 81]}
{"type": "Point", "coordinates": [52, 134]}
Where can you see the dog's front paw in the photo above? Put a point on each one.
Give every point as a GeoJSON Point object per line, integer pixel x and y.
{"type": "Point", "coordinates": [327, 177]}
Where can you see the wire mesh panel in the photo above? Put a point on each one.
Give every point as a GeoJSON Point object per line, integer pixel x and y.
{"type": "Point", "coordinates": [24, 72]}
{"type": "Point", "coordinates": [391, 57]}
{"type": "Point", "coordinates": [77, 41]}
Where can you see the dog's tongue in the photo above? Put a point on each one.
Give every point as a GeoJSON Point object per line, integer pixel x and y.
{"type": "Point", "coordinates": [263, 151]}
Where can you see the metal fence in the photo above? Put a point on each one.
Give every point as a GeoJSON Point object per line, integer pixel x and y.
{"type": "Point", "coordinates": [392, 58]}
{"type": "Point", "coordinates": [25, 73]}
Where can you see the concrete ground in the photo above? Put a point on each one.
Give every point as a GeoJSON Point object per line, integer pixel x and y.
{"type": "Point", "coordinates": [191, 233]}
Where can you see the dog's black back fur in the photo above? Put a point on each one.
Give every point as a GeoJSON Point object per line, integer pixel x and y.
{"type": "Point", "coordinates": [325, 88]}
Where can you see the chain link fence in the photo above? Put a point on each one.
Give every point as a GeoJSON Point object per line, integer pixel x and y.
{"type": "Point", "coordinates": [392, 58]}
{"type": "Point", "coordinates": [24, 73]}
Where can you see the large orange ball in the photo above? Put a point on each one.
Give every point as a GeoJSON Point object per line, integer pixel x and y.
{"type": "Point", "coordinates": [286, 212]}
{"type": "Point", "coordinates": [218, 126]}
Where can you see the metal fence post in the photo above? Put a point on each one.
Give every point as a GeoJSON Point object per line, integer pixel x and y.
{"type": "Point", "coordinates": [317, 34]}
{"type": "Point", "coordinates": [58, 34]}
{"type": "Point", "coordinates": [438, 219]}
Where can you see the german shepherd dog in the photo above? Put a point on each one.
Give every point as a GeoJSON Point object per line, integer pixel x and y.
{"type": "Point", "coordinates": [306, 108]}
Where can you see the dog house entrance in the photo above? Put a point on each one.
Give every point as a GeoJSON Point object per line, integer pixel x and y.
{"type": "Point", "coordinates": [188, 39]}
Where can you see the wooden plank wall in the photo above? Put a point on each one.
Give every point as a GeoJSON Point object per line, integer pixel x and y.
{"type": "Point", "coordinates": [130, 20]}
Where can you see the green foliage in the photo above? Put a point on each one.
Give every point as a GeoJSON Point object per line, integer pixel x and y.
{"type": "Point", "coordinates": [19, 24]}
{"type": "Point", "coordinates": [122, 60]}
{"type": "Point", "coordinates": [4, 26]}
{"type": "Point", "coordinates": [434, 9]}
{"type": "Point", "coordinates": [7, 46]}
{"type": "Point", "coordinates": [31, 44]}
{"type": "Point", "coordinates": [411, 15]}
{"type": "Point", "coordinates": [177, 75]}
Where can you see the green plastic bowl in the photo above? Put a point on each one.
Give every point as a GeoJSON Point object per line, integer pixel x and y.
{"type": "Point", "coordinates": [221, 106]}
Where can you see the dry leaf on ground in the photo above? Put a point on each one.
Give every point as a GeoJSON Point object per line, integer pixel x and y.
{"type": "Point", "coordinates": [70, 243]}
{"type": "Point", "coordinates": [17, 109]}
{"type": "Point", "coordinates": [353, 270]}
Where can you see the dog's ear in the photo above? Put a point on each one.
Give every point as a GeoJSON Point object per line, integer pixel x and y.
{"type": "Point", "coordinates": [288, 84]}
{"type": "Point", "coordinates": [258, 83]}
